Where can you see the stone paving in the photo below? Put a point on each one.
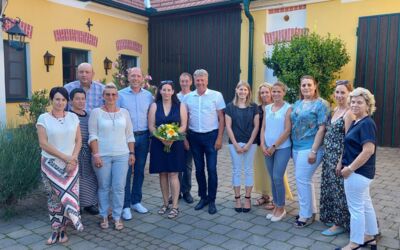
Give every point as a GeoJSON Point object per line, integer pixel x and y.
{"type": "Point", "coordinates": [198, 230]}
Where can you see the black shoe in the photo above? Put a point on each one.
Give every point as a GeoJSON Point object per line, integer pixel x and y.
{"type": "Point", "coordinates": [93, 210]}
{"type": "Point", "coordinates": [212, 209]}
{"type": "Point", "coordinates": [188, 198]}
{"type": "Point", "coordinates": [202, 203]}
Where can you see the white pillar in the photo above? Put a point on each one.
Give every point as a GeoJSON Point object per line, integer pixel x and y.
{"type": "Point", "coordinates": [3, 120]}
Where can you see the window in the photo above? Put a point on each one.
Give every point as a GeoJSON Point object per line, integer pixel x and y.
{"type": "Point", "coordinates": [15, 73]}
{"type": "Point", "coordinates": [128, 62]}
{"type": "Point", "coordinates": [71, 60]}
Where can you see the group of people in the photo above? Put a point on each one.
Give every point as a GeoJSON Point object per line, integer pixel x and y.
{"type": "Point", "coordinates": [90, 152]}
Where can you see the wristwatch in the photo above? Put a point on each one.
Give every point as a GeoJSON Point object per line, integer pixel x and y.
{"type": "Point", "coordinates": [313, 151]}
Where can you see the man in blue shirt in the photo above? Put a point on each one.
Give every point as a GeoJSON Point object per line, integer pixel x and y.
{"type": "Point", "coordinates": [137, 101]}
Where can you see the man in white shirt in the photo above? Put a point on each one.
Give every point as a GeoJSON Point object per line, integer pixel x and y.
{"type": "Point", "coordinates": [185, 178]}
{"type": "Point", "coordinates": [137, 101]}
{"type": "Point", "coordinates": [206, 128]}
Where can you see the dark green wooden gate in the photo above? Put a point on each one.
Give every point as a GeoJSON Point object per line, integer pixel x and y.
{"type": "Point", "coordinates": [378, 68]}
{"type": "Point", "coordinates": [208, 39]}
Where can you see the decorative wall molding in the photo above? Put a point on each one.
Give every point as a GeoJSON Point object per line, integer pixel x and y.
{"type": "Point", "coordinates": [274, 4]}
{"type": "Point", "coordinates": [75, 36]}
{"type": "Point", "coordinates": [129, 45]}
{"type": "Point", "coordinates": [287, 9]}
{"type": "Point", "coordinates": [284, 35]}
{"type": "Point", "coordinates": [26, 27]}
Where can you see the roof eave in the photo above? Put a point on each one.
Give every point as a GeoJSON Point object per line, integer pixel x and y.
{"type": "Point", "coordinates": [120, 6]}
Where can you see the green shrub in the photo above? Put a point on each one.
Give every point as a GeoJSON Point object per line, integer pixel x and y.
{"type": "Point", "coordinates": [19, 163]}
{"type": "Point", "coordinates": [35, 107]}
{"type": "Point", "coordinates": [320, 57]}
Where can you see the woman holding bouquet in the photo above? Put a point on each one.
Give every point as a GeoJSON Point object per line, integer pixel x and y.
{"type": "Point", "coordinates": [167, 157]}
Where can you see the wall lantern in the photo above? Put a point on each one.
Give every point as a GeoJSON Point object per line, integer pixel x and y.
{"type": "Point", "coordinates": [48, 60]}
{"type": "Point", "coordinates": [107, 65]}
{"type": "Point", "coordinates": [16, 36]}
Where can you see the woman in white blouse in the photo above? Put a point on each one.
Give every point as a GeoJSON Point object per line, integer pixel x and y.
{"type": "Point", "coordinates": [60, 140]}
{"type": "Point", "coordinates": [112, 142]}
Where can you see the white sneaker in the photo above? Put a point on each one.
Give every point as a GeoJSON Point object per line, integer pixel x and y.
{"type": "Point", "coordinates": [138, 207]}
{"type": "Point", "coordinates": [126, 214]}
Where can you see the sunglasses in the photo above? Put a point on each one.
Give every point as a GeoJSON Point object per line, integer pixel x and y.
{"type": "Point", "coordinates": [342, 82]}
{"type": "Point", "coordinates": [110, 94]}
{"type": "Point", "coordinates": [166, 82]}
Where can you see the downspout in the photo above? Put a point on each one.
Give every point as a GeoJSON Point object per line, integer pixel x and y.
{"type": "Point", "coordinates": [246, 4]}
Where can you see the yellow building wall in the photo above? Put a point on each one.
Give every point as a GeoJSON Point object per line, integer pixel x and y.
{"type": "Point", "coordinates": [341, 20]}
{"type": "Point", "coordinates": [47, 16]}
{"type": "Point", "coordinates": [259, 48]}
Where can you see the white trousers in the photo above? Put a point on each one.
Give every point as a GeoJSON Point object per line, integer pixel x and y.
{"type": "Point", "coordinates": [362, 213]}
{"type": "Point", "coordinates": [245, 161]}
{"type": "Point", "coordinates": [304, 173]}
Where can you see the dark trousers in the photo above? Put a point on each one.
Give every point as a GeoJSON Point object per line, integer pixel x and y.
{"type": "Point", "coordinates": [202, 145]}
{"type": "Point", "coordinates": [134, 195]}
{"type": "Point", "coordinates": [185, 177]}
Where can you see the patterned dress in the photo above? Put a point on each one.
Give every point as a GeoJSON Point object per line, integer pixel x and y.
{"type": "Point", "coordinates": [333, 205]}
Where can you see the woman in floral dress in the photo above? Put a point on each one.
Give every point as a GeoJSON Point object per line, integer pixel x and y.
{"type": "Point", "coordinates": [333, 206]}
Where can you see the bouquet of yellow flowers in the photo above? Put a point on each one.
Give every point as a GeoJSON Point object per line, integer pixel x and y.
{"type": "Point", "coordinates": [169, 132]}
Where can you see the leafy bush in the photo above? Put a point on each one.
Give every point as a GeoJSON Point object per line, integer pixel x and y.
{"type": "Point", "coordinates": [19, 163]}
{"type": "Point", "coordinates": [320, 57]}
{"type": "Point", "coordinates": [37, 106]}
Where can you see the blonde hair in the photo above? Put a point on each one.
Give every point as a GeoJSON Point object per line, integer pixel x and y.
{"type": "Point", "coordinates": [368, 97]}
{"type": "Point", "coordinates": [248, 98]}
{"type": "Point", "coordinates": [110, 85]}
{"type": "Point", "coordinates": [282, 85]}
{"type": "Point", "coordinates": [263, 85]}
{"type": "Point", "coordinates": [316, 94]}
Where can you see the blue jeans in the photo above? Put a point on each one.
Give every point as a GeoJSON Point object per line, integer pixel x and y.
{"type": "Point", "coordinates": [245, 161]}
{"type": "Point", "coordinates": [134, 195]}
{"type": "Point", "coordinates": [202, 144]}
{"type": "Point", "coordinates": [185, 177]}
{"type": "Point", "coordinates": [276, 167]}
{"type": "Point", "coordinates": [111, 177]}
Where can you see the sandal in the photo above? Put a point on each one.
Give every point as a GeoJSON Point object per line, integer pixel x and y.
{"type": "Point", "coordinates": [238, 209]}
{"type": "Point", "coordinates": [301, 224]}
{"type": "Point", "coordinates": [53, 238]}
{"type": "Point", "coordinates": [247, 209]}
{"type": "Point", "coordinates": [118, 225]}
{"type": "Point", "coordinates": [173, 213]}
{"type": "Point", "coordinates": [63, 236]}
{"type": "Point", "coordinates": [261, 201]}
{"type": "Point", "coordinates": [163, 210]}
{"type": "Point", "coordinates": [104, 223]}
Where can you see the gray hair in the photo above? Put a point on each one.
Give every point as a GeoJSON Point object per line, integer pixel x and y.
{"type": "Point", "coordinates": [200, 72]}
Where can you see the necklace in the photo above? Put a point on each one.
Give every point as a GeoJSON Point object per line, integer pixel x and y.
{"type": "Point", "coordinates": [111, 117]}
{"type": "Point", "coordinates": [59, 119]}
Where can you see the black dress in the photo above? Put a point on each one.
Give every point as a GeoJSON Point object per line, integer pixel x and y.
{"type": "Point", "coordinates": [160, 161]}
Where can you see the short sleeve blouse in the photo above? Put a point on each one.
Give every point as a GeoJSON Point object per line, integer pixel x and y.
{"type": "Point", "coordinates": [306, 118]}
{"type": "Point", "coordinates": [242, 121]}
{"type": "Point", "coordinates": [61, 132]}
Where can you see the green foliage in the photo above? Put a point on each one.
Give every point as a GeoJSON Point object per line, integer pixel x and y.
{"type": "Point", "coordinates": [19, 163]}
{"type": "Point", "coordinates": [37, 106]}
{"type": "Point", "coordinates": [320, 57]}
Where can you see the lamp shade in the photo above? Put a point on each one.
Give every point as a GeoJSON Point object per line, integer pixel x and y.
{"type": "Point", "coordinates": [48, 60]}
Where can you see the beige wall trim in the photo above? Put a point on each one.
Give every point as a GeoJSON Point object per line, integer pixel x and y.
{"type": "Point", "coordinates": [105, 10]}
{"type": "Point", "coordinates": [272, 4]}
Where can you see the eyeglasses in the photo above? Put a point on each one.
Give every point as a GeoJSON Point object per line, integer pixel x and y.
{"type": "Point", "coordinates": [342, 82]}
{"type": "Point", "coordinates": [110, 94]}
{"type": "Point", "coordinates": [166, 81]}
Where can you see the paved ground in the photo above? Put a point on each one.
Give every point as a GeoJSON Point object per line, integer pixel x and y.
{"type": "Point", "coordinates": [199, 230]}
